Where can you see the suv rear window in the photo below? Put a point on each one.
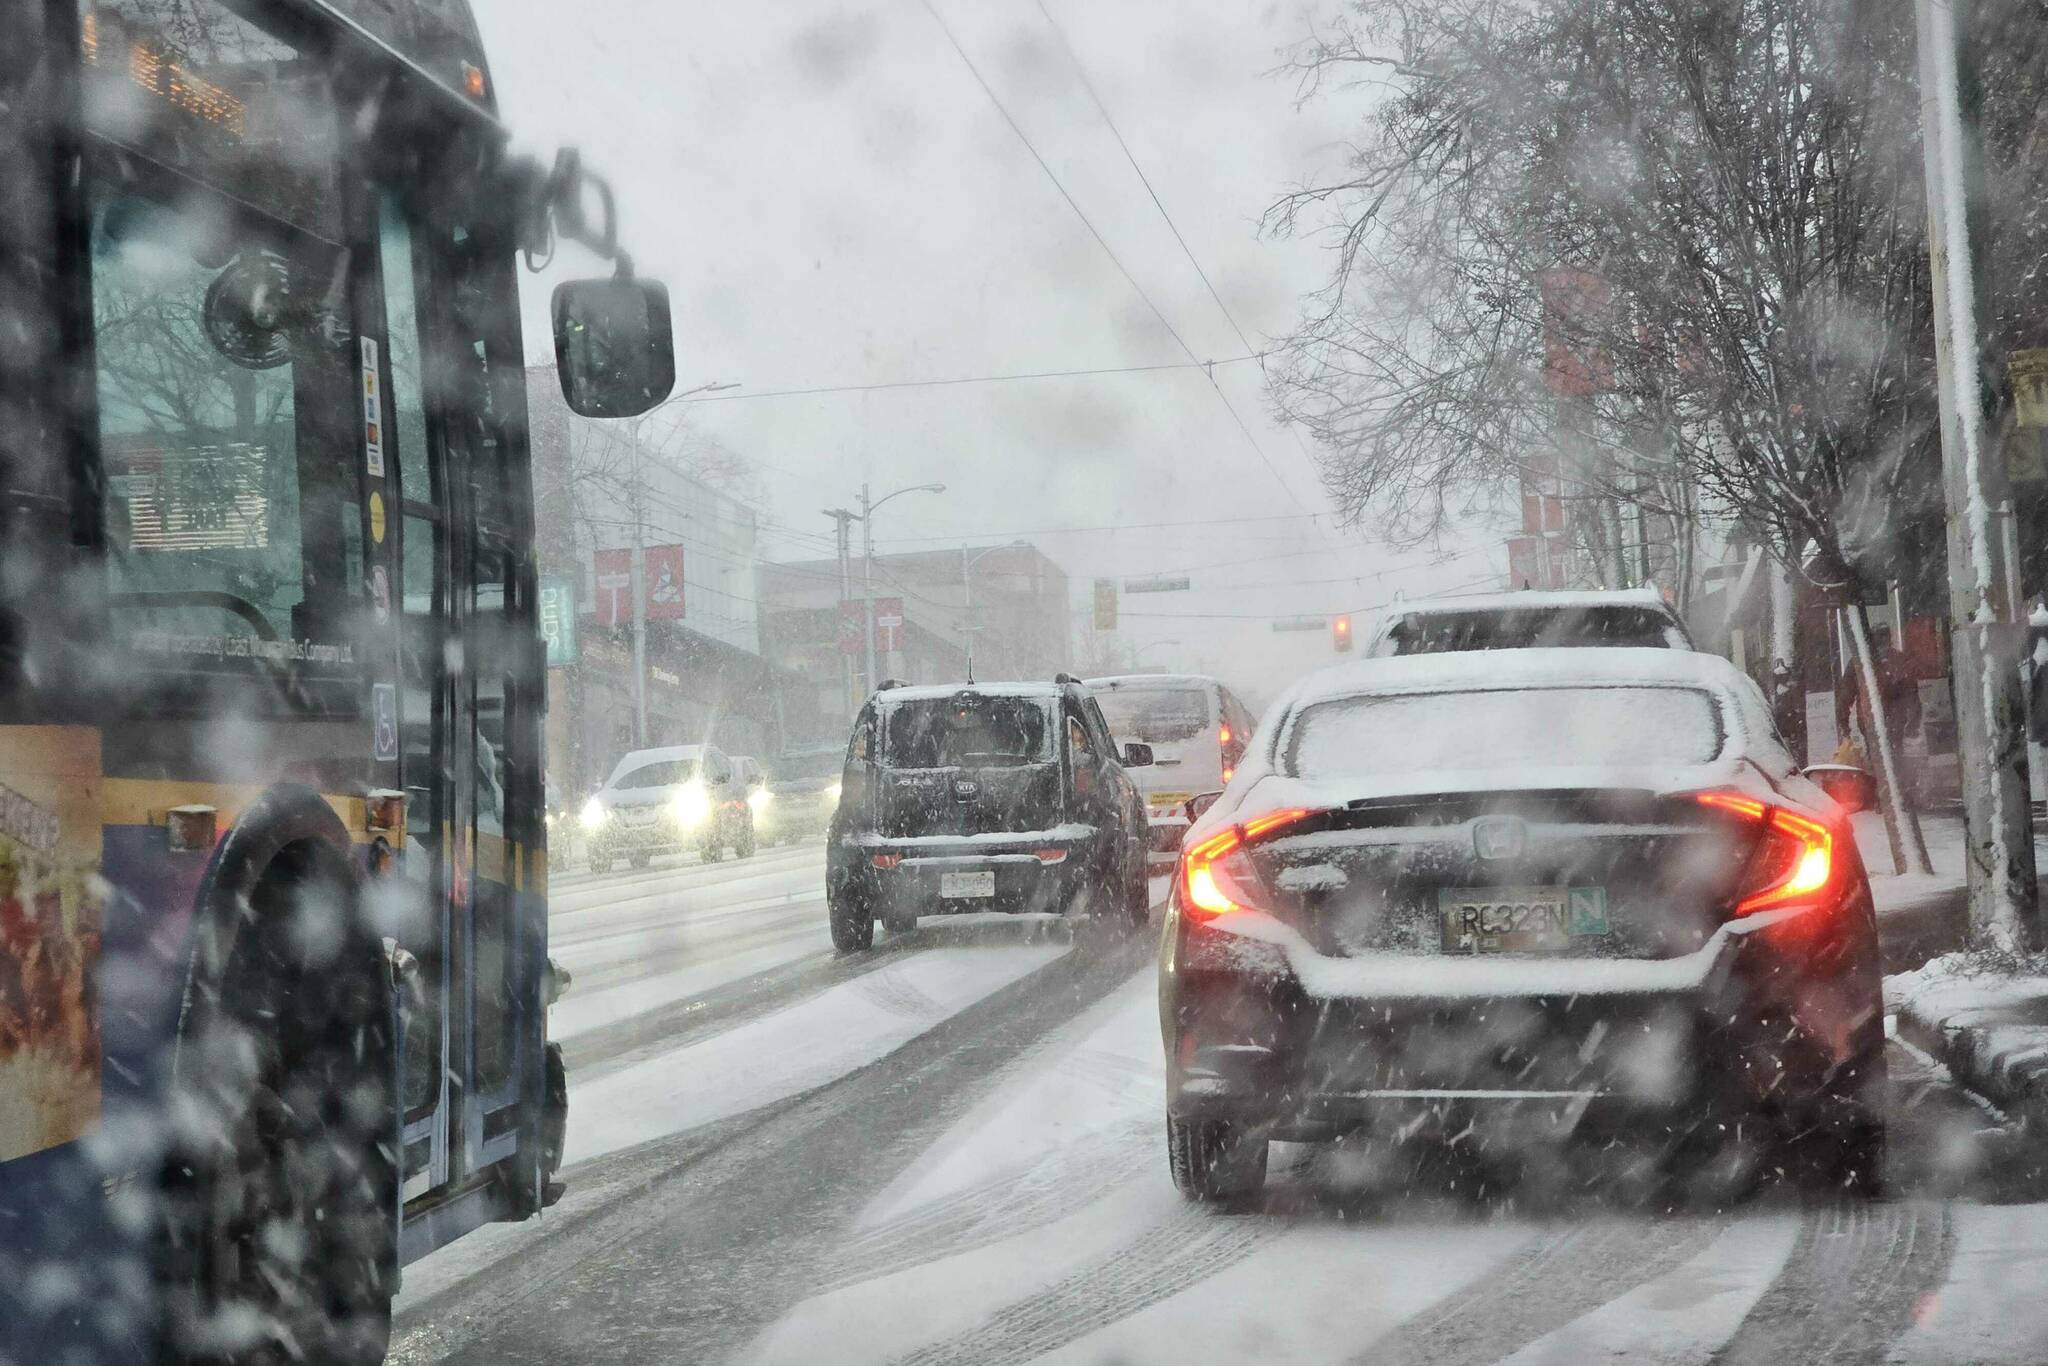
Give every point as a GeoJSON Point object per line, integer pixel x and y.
{"type": "Point", "coordinates": [1443, 632]}
{"type": "Point", "coordinates": [1155, 716]}
{"type": "Point", "coordinates": [1505, 728]}
{"type": "Point", "coordinates": [973, 730]}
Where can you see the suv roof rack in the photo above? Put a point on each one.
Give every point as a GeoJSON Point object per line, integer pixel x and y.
{"type": "Point", "coordinates": [1066, 678]}
{"type": "Point", "coordinates": [889, 683]}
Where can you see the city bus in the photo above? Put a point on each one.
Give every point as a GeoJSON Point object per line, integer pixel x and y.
{"type": "Point", "coordinates": [273, 960]}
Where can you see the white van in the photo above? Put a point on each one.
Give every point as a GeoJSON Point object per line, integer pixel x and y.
{"type": "Point", "coordinates": [1197, 729]}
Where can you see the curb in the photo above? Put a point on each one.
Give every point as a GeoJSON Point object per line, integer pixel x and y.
{"type": "Point", "coordinates": [2014, 1077]}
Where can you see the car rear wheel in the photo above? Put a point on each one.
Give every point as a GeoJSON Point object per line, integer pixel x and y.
{"type": "Point", "coordinates": [713, 850]}
{"type": "Point", "coordinates": [853, 924]}
{"type": "Point", "coordinates": [1139, 899]}
{"type": "Point", "coordinates": [639, 858]}
{"type": "Point", "coordinates": [600, 864]}
{"type": "Point", "coordinates": [1214, 1160]}
{"type": "Point", "coordinates": [744, 846]}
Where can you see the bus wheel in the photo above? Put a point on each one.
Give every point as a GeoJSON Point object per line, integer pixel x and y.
{"type": "Point", "coordinates": [279, 1184]}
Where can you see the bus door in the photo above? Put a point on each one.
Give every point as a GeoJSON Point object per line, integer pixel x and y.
{"type": "Point", "coordinates": [499, 756]}
{"type": "Point", "coordinates": [427, 713]}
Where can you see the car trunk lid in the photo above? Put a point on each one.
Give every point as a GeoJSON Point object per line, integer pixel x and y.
{"type": "Point", "coordinates": [1601, 872]}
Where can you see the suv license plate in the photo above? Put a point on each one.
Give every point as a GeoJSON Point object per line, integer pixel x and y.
{"type": "Point", "coordinates": [967, 884]}
{"type": "Point", "coordinates": [1519, 919]}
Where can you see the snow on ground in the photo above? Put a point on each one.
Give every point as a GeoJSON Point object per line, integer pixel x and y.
{"type": "Point", "coordinates": [1686, 1315]}
{"type": "Point", "coordinates": [1043, 1226]}
{"type": "Point", "coordinates": [1990, 1311]}
{"type": "Point", "coordinates": [582, 1011]}
{"type": "Point", "coordinates": [790, 1051]}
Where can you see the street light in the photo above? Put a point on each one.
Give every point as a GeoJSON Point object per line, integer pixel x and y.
{"type": "Point", "coordinates": [967, 563]}
{"type": "Point", "coordinates": [867, 555]}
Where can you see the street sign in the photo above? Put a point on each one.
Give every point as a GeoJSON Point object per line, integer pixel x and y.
{"type": "Point", "coordinates": [558, 619]}
{"type": "Point", "coordinates": [888, 624]}
{"type": "Point", "coordinates": [1158, 583]}
{"type": "Point", "coordinates": [1301, 623]}
{"type": "Point", "coordinates": [1105, 604]}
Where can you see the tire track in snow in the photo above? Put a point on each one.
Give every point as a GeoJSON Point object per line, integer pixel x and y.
{"type": "Point", "coordinates": [1543, 1288]}
{"type": "Point", "coordinates": [1168, 1258]}
{"type": "Point", "coordinates": [1008, 1204]}
{"type": "Point", "coordinates": [1851, 1287]}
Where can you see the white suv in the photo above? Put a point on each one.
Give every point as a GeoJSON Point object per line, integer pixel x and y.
{"type": "Point", "coordinates": [663, 801]}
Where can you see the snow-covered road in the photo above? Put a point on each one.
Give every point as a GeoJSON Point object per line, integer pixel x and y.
{"type": "Point", "coordinates": [951, 1150]}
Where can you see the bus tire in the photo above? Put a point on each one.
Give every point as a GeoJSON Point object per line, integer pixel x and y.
{"type": "Point", "coordinates": [279, 1185]}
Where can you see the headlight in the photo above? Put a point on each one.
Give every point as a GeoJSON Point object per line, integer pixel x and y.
{"type": "Point", "coordinates": [759, 798]}
{"type": "Point", "coordinates": [594, 814]}
{"type": "Point", "coordinates": [692, 806]}
{"type": "Point", "coordinates": [832, 795]}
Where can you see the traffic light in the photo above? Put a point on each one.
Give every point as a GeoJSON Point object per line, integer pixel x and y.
{"type": "Point", "coordinates": [1340, 632]}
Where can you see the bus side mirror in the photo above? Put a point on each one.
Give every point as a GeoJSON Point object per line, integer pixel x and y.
{"type": "Point", "coordinates": [613, 345]}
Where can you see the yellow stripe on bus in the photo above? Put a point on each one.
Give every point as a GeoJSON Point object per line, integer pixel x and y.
{"type": "Point", "coordinates": [144, 801]}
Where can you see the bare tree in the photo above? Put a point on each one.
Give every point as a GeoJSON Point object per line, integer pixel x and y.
{"type": "Point", "coordinates": [1730, 192]}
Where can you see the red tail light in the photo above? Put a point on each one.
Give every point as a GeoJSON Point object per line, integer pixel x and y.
{"type": "Point", "coordinates": [886, 861]}
{"type": "Point", "coordinates": [1051, 855]}
{"type": "Point", "coordinates": [1223, 736]}
{"type": "Point", "coordinates": [1207, 888]}
{"type": "Point", "coordinates": [1794, 859]}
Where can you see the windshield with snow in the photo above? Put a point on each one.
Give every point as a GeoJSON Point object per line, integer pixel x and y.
{"type": "Point", "coordinates": [1135, 682]}
{"type": "Point", "coordinates": [662, 773]}
{"type": "Point", "coordinates": [1508, 729]}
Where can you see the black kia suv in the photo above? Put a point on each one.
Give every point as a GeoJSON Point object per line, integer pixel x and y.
{"type": "Point", "coordinates": [972, 797]}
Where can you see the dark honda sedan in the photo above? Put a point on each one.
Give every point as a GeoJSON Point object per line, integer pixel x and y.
{"type": "Point", "coordinates": [1507, 902]}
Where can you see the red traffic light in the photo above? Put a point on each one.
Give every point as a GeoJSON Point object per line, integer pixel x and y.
{"type": "Point", "coordinates": [1340, 631]}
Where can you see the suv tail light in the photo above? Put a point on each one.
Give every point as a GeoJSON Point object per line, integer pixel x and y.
{"type": "Point", "coordinates": [1793, 862]}
{"type": "Point", "coordinates": [1209, 885]}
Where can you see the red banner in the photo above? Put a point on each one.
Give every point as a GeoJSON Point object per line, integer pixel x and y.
{"type": "Point", "coordinates": [664, 567]}
{"type": "Point", "coordinates": [664, 582]}
{"type": "Point", "coordinates": [614, 587]}
{"type": "Point", "coordinates": [1575, 308]}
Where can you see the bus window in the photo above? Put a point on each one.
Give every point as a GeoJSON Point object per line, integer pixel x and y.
{"type": "Point", "coordinates": [402, 350]}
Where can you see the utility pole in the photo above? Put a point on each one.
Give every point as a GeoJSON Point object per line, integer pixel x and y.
{"type": "Point", "coordinates": [842, 537]}
{"type": "Point", "coordinates": [1985, 631]}
{"type": "Point", "coordinates": [867, 586]}
{"type": "Point", "coordinates": [639, 590]}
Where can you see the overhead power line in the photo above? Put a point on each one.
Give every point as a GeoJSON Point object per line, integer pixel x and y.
{"type": "Point", "coordinates": [744, 395]}
{"type": "Point", "coordinates": [1101, 108]}
{"type": "Point", "coordinates": [1108, 250]}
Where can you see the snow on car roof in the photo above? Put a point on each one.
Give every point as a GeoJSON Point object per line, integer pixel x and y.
{"type": "Point", "coordinates": [1151, 681]}
{"type": "Point", "coordinates": [1259, 785]}
{"type": "Point", "coordinates": [1466, 670]}
{"type": "Point", "coordinates": [938, 692]}
{"type": "Point", "coordinates": [1530, 600]}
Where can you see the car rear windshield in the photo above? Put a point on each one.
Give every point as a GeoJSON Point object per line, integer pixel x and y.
{"type": "Point", "coordinates": [1441, 632]}
{"type": "Point", "coordinates": [663, 773]}
{"type": "Point", "coordinates": [1155, 716]}
{"type": "Point", "coordinates": [970, 731]}
{"type": "Point", "coordinates": [1504, 728]}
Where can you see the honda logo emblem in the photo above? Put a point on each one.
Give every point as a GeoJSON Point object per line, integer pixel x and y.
{"type": "Point", "coordinates": [1498, 837]}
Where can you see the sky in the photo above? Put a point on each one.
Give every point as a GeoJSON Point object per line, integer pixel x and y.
{"type": "Point", "coordinates": [834, 199]}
